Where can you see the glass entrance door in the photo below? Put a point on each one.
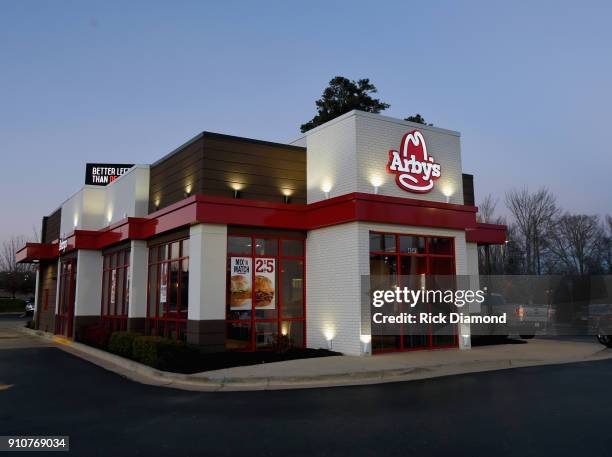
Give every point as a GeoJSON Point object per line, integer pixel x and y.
{"type": "Point", "coordinates": [65, 308]}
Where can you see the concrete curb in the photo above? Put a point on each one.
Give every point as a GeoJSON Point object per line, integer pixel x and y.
{"type": "Point", "coordinates": [200, 382]}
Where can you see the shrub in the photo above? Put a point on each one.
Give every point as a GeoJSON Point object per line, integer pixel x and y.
{"type": "Point", "coordinates": [121, 343]}
{"type": "Point", "coordinates": [96, 335]}
{"type": "Point", "coordinates": [162, 353]}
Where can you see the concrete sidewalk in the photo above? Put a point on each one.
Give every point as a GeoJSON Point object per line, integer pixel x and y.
{"type": "Point", "coordinates": [346, 370]}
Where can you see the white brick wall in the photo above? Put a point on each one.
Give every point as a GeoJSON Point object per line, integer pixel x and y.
{"type": "Point", "coordinates": [330, 159]}
{"type": "Point", "coordinates": [333, 288]}
{"type": "Point", "coordinates": [350, 150]}
{"type": "Point", "coordinates": [376, 135]}
{"type": "Point", "coordinates": [336, 259]}
{"type": "Point", "coordinates": [95, 207]}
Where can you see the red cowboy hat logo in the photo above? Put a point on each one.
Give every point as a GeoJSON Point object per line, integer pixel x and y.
{"type": "Point", "coordinates": [414, 169]}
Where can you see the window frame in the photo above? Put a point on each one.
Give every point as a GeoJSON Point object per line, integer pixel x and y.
{"type": "Point", "coordinates": [115, 321]}
{"type": "Point", "coordinates": [427, 255]}
{"type": "Point", "coordinates": [161, 325]}
{"type": "Point", "coordinates": [278, 257]}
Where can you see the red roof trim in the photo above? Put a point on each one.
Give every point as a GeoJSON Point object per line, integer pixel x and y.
{"type": "Point", "coordinates": [338, 210]}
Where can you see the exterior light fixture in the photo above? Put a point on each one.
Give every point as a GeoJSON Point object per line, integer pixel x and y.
{"type": "Point", "coordinates": [365, 343]}
{"type": "Point", "coordinates": [187, 192]}
{"type": "Point", "coordinates": [448, 192]}
{"type": "Point", "coordinates": [329, 337]}
{"type": "Point", "coordinates": [237, 187]}
{"type": "Point", "coordinates": [326, 188]}
{"type": "Point", "coordinates": [287, 195]}
{"type": "Point", "coordinates": [376, 182]}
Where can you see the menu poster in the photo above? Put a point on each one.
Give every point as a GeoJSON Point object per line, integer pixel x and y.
{"type": "Point", "coordinates": [113, 288]}
{"type": "Point", "coordinates": [265, 283]}
{"type": "Point", "coordinates": [163, 283]}
{"type": "Point", "coordinates": [240, 283]}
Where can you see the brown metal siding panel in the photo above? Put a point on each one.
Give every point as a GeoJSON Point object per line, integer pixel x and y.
{"type": "Point", "coordinates": [468, 189]}
{"type": "Point", "coordinates": [51, 227]}
{"type": "Point", "coordinates": [212, 163]}
{"type": "Point", "coordinates": [262, 170]}
{"type": "Point", "coordinates": [169, 177]}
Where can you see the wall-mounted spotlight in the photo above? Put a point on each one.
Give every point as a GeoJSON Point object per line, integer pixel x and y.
{"type": "Point", "coordinates": [287, 195]}
{"type": "Point", "coordinates": [376, 182]}
{"type": "Point", "coordinates": [187, 192]}
{"type": "Point", "coordinates": [326, 188]}
{"type": "Point", "coordinates": [237, 187]}
{"type": "Point", "coordinates": [448, 192]}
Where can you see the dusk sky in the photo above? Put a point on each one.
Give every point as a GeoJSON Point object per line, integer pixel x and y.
{"type": "Point", "coordinates": [528, 85]}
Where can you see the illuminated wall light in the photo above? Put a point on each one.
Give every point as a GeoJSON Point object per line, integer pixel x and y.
{"type": "Point", "coordinates": [237, 187]}
{"type": "Point", "coordinates": [188, 189]}
{"type": "Point", "coordinates": [448, 192]}
{"type": "Point", "coordinates": [284, 329]}
{"type": "Point", "coordinates": [326, 188]}
{"type": "Point", "coordinates": [109, 215]}
{"type": "Point", "coordinates": [157, 202]}
{"type": "Point", "coordinates": [287, 195]}
{"type": "Point", "coordinates": [76, 220]}
{"type": "Point", "coordinates": [376, 182]}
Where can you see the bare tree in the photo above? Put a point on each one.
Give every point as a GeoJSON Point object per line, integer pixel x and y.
{"type": "Point", "coordinates": [492, 258]}
{"type": "Point", "coordinates": [606, 244]}
{"type": "Point", "coordinates": [15, 276]}
{"type": "Point", "coordinates": [533, 214]}
{"type": "Point", "coordinates": [486, 210]}
{"type": "Point", "coordinates": [576, 243]}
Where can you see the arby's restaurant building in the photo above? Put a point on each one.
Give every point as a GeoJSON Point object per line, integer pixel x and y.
{"type": "Point", "coordinates": [229, 243]}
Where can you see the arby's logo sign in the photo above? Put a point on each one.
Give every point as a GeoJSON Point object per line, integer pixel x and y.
{"type": "Point", "coordinates": [414, 169]}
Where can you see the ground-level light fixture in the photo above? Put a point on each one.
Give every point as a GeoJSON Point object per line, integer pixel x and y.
{"type": "Point", "coordinates": [329, 337]}
{"type": "Point", "coordinates": [365, 343]}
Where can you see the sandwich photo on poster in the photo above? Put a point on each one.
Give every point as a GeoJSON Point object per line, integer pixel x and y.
{"type": "Point", "coordinates": [265, 283]}
{"type": "Point", "coordinates": [240, 283]}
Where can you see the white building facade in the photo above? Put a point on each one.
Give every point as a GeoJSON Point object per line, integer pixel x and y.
{"type": "Point", "coordinates": [237, 244]}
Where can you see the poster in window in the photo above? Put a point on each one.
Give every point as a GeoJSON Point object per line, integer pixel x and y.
{"type": "Point", "coordinates": [240, 283]}
{"type": "Point", "coordinates": [163, 283]}
{"type": "Point", "coordinates": [128, 275]}
{"type": "Point", "coordinates": [113, 288]}
{"type": "Point", "coordinates": [265, 283]}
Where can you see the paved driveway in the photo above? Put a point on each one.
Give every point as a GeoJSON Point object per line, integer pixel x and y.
{"type": "Point", "coordinates": [560, 410]}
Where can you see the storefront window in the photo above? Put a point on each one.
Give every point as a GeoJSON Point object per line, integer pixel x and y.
{"type": "Point", "coordinates": [67, 287]}
{"type": "Point", "coordinates": [415, 260]}
{"type": "Point", "coordinates": [115, 289]}
{"type": "Point", "coordinates": [265, 292]}
{"type": "Point", "coordinates": [168, 290]}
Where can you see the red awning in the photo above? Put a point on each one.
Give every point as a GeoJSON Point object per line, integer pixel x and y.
{"type": "Point", "coordinates": [33, 252]}
{"type": "Point", "coordinates": [486, 234]}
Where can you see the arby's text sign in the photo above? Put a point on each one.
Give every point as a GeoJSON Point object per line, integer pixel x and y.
{"type": "Point", "coordinates": [414, 169]}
